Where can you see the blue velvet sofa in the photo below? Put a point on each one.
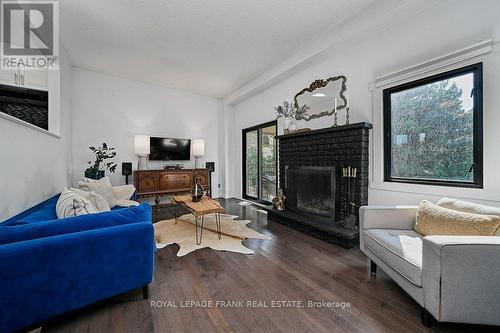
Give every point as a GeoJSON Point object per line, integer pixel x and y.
{"type": "Point", "coordinates": [49, 267]}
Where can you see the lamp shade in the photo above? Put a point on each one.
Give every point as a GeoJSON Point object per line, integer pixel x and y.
{"type": "Point", "coordinates": [141, 144]}
{"type": "Point", "coordinates": [198, 147]}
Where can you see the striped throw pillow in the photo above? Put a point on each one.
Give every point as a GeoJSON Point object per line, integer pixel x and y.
{"type": "Point", "coordinates": [97, 200]}
{"type": "Point", "coordinates": [72, 204]}
{"type": "Point", "coordinates": [102, 186]}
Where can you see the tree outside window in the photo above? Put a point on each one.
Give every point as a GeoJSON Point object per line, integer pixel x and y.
{"type": "Point", "coordinates": [432, 129]}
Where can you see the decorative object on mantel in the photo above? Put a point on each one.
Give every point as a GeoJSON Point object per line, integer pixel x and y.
{"type": "Point", "coordinates": [349, 175]}
{"type": "Point", "coordinates": [285, 112]}
{"type": "Point", "coordinates": [319, 97]}
{"type": "Point", "coordinates": [279, 200]}
{"type": "Point", "coordinates": [97, 169]}
{"type": "Point", "coordinates": [335, 113]}
{"type": "Point", "coordinates": [142, 149]}
{"type": "Point", "coordinates": [298, 130]}
{"type": "Point", "coordinates": [347, 110]}
{"type": "Point", "coordinates": [288, 112]}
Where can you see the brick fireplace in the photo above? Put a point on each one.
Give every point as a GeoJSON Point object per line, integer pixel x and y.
{"type": "Point", "coordinates": [310, 172]}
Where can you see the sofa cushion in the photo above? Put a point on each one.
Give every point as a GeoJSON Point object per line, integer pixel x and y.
{"type": "Point", "coordinates": [400, 249]}
{"type": "Point", "coordinates": [436, 220]}
{"type": "Point", "coordinates": [469, 207]}
{"type": "Point", "coordinates": [17, 233]}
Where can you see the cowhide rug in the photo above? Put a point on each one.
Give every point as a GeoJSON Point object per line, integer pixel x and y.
{"type": "Point", "coordinates": [183, 233]}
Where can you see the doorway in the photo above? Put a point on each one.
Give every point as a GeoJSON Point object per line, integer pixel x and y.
{"type": "Point", "coordinates": [260, 163]}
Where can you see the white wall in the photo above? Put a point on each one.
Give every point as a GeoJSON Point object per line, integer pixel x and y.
{"type": "Point", "coordinates": [112, 110]}
{"type": "Point", "coordinates": [35, 165]}
{"type": "Point", "coordinates": [444, 28]}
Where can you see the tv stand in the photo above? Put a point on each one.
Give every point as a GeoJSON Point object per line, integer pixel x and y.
{"type": "Point", "coordinates": [155, 183]}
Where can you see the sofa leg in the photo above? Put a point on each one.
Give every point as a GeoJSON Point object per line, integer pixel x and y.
{"type": "Point", "coordinates": [145, 291]}
{"type": "Point", "coordinates": [373, 268]}
{"type": "Point", "coordinates": [427, 318]}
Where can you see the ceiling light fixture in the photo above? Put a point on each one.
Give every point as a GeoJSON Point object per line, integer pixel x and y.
{"type": "Point", "coordinates": [319, 95]}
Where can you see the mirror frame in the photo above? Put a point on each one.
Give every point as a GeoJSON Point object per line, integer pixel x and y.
{"type": "Point", "coordinates": [321, 83]}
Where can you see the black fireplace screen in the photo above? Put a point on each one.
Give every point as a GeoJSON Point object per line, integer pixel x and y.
{"type": "Point", "coordinates": [311, 190]}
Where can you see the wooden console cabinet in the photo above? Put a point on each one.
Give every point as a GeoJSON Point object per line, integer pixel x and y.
{"type": "Point", "coordinates": [154, 183]}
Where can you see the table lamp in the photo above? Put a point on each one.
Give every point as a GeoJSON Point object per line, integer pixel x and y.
{"type": "Point", "coordinates": [141, 147]}
{"type": "Point", "coordinates": [198, 150]}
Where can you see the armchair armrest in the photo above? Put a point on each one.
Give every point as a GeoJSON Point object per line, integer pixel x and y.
{"type": "Point", "coordinates": [385, 217]}
{"type": "Point", "coordinates": [461, 278]}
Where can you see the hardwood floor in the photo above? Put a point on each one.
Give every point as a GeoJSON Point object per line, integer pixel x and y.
{"type": "Point", "coordinates": [290, 267]}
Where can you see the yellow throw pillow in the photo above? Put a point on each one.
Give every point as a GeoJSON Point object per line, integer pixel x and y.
{"type": "Point", "coordinates": [435, 220]}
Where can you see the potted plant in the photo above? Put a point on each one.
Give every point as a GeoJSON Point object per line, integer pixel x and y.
{"type": "Point", "coordinates": [288, 112]}
{"type": "Point", "coordinates": [97, 169]}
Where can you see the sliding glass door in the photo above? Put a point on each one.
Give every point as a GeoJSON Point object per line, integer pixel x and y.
{"type": "Point", "coordinates": [259, 162]}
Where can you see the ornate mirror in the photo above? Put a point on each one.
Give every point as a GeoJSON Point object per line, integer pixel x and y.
{"type": "Point", "coordinates": [320, 96]}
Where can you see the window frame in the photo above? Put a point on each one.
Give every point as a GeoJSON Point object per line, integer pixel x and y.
{"type": "Point", "coordinates": [477, 136]}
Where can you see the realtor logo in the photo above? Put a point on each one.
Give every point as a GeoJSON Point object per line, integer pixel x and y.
{"type": "Point", "coordinates": [30, 34]}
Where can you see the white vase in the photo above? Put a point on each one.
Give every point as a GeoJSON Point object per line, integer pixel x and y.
{"type": "Point", "coordinates": [280, 126]}
{"type": "Point", "coordinates": [286, 123]}
{"type": "Point", "coordinates": [292, 127]}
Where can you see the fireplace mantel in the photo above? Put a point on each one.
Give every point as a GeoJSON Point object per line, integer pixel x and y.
{"type": "Point", "coordinates": [327, 130]}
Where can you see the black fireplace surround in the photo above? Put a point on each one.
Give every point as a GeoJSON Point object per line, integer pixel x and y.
{"type": "Point", "coordinates": [310, 166]}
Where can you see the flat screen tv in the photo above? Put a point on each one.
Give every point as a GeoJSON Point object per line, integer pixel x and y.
{"type": "Point", "coordinates": [168, 149]}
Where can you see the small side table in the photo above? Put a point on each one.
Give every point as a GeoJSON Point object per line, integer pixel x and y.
{"type": "Point", "coordinates": [199, 209]}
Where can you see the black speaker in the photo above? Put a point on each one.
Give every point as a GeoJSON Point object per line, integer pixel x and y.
{"type": "Point", "coordinates": [210, 166]}
{"type": "Point", "coordinates": [126, 168]}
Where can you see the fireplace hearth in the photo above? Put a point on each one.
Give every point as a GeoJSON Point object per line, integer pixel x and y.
{"type": "Point", "coordinates": [310, 165]}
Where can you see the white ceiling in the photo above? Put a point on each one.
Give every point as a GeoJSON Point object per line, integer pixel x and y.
{"type": "Point", "coordinates": [209, 47]}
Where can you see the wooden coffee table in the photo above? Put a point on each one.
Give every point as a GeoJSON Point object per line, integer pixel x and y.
{"type": "Point", "coordinates": [199, 209]}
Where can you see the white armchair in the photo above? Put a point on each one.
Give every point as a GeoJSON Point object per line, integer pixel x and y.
{"type": "Point", "coordinates": [453, 278]}
{"type": "Point", "coordinates": [461, 278]}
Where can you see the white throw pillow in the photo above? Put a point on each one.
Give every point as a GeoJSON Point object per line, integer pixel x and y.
{"type": "Point", "coordinates": [123, 192]}
{"type": "Point", "coordinates": [102, 186]}
{"type": "Point", "coordinates": [97, 200]}
{"type": "Point", "coordinates": [469, 207]}
{"type": "Point", "coordinates": [89, 180]}
{"type": "Point", "coordinates": [126, 203]}
{"type": "Point", "coordinates": [72, 204]}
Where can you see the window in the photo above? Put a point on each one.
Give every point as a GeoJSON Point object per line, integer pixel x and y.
{"type": "Point", "coordinates": [259, 162]}
{"type": "Point", "coordinates": [433, 130]}
{"type": "Point", "coordinates": [28, 105]}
